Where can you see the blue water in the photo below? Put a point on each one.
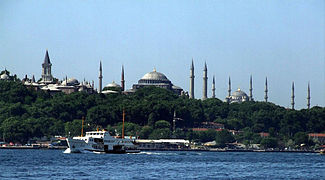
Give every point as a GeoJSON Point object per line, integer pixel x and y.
{"type": "Point", "coordinates": [53, 164]}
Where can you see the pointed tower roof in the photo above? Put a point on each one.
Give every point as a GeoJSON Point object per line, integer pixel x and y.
{"type": "Point", "coordinates": [100, 65]}
{"type": "Point", "coordinates": [205, 66]}
{"type": "Point", "coordinates": [192, 66]}
{"type": "Point", "coordinates": [47, 58]}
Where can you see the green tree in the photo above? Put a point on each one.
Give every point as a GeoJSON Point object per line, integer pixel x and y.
{"type": "Point", "coordinates": [223, 137]}
{"type": "Point", "coordinates": [269, 142]}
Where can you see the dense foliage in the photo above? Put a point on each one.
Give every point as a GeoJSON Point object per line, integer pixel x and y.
{"type": "Point", "coordinates": [26, 113]}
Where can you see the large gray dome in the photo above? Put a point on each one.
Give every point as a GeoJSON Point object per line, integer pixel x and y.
{"type": "Point", "coordinates": [154, 77]}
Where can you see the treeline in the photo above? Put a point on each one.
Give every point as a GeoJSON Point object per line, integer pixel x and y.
{"type": "Point", "coordinates": [26, 113]}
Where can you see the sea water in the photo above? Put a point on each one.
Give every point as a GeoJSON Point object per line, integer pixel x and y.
{"type": "Point", "coordinates": [54, 164]}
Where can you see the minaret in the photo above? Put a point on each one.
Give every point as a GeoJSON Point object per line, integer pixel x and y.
{"type": "Point", "coordinates": [100, 77]}
{"type": "Point", "coordinates": [229, 87]}
{"type": "Point", "coordinates": [33, 79]}
{"type": "Point", "coordinates": [46, 69]}
{"type": "Point", "coordinates": [293, 96]}
{"type": "Point", "coordinates": [266, 90]}
{"type": "Point", "coordinates": [192, 81]}
{"type": "Point", "coordinates": [122, 79]}
{"type": "Point", "coordinates": [213, 88]}
{"type": "Point", "coordinates": [205, 81]}
{"type": "Point", "coordinates": [308, 97]}
{"type": "Point", "coordinates": [228, 98]}
{"type": "Point", "coordinates": [251, 89]}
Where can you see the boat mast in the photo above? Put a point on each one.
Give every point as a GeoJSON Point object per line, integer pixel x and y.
{"type": "Point", "coordinates": [82, 126]}
{"type": "Point", "coordinates": [123, 124]}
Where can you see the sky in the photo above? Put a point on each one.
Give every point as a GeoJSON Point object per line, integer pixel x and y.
{"type": "Point", "coordinates": [281, 40]}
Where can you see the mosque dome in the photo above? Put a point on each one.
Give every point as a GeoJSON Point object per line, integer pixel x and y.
{"type": "Point", "coordinates": [4, 76]}
{"type": "Point", "coordinates": [113, 84]}
{"type": "Point", "coordinates": [239, 93]}
{"type": "Point", "coordinates": [157, 79]}
{"type": "Point", "coordinates": [237, 96]}
{"type": "Point", "coordinates": [70, 82]}
{"type": "Point", "coordinates": [154, 77]}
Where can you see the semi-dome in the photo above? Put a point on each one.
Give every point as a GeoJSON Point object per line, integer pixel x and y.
{"type": "Point", "coordinates": [4, 76]}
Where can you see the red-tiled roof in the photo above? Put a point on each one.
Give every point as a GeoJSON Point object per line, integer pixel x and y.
{"type": "Point", "coordinates": [204, 129]}
{"type": "Point", "coordinates": [316, 135]}
{"type": "Point", "coordinates": [263, 134]}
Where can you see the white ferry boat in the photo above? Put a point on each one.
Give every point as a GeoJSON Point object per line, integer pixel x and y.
{"type": "Point", "coordinates": [100, 142]}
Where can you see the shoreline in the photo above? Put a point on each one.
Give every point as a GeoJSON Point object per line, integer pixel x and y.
{"type": "Point", "coordinates": [167, 149]}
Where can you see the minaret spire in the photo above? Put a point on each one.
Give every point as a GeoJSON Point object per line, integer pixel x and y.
{"type": "Point", "coordinates": [266, 90]}
{"type": "Point", "coordinates": [308, 96]}
{"type": "Point", "coordinates": [293, 96]}
{"type": "Point", "coordinates": [213, 88]}
{"type": "Point", "coordinates": [251, 89]}
{"type": "Point", "coordinates": [192, 80]}
{"type": "Point", "coordinates": [229, 87]}
{"type": "Point", "coordinates": [100, 77]}
{"type": "Point", "coordinates": [122, 79]}
{"type": "Point", "coordinates": [205, 81]}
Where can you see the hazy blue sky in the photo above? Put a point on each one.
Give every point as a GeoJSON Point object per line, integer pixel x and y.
{"type": "Point", "coordinates": [283, 40]}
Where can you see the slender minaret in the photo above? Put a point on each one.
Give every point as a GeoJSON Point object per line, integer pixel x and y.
{"type": "Point", "coordinates": [266, 90]}
{"type": "Point", "coordinates": [308, 97]}
{"type": "Point", "coordinates": [122, 79]}
{"type": "Point", "coordinates": [46, 69]}
{"type": "Point", "coordinates": [205, 81]}
{"type": "Point", "coordinates": [229, 87]}
{"type": "Point", "coordinates": [100, 77]}
{"type": "Point", "coordinates": [213, 88]}
{"type": "Point", "coordinates": [228, 98]}
{"type": "Point", "coordinates": [33, 79]}
{"type": "Point", "coordinates": [192, 81]}
{"type": "Point", "coordinates": [251, 89]}
{"type": "Point", "coordinates": [293, 96]}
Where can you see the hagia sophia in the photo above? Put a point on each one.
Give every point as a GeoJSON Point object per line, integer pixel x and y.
{"type": "Point", "coordinates": [52, 85]}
